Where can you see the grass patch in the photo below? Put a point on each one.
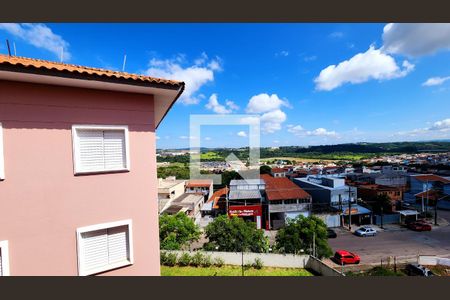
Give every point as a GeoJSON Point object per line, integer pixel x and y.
{"type": "Point", "coordinates": [377, 271]}
{"type": "Point", "coordinates": [210, 155]}
{"type": "Point", "coordinates": [231, 271]}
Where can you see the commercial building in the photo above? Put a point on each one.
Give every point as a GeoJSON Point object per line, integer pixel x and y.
{"type": "Point", "coordinates": [78, 183]}
{"type": "Point", "coordinates": [285, 200]}
{"type": "Point", "coordinates": [246, 198]}
{"type": "Point", "coordinates": [331, 193]}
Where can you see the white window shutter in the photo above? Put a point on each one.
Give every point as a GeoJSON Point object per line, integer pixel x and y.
{"type": "Point", "coordinates": [1, 265]}
{"type": "Point", "coordinates": [2, 161]}
{"type": "Point", "coordinates": [118, 248]}
{"type": "Point", "coordinates": [95, 249]}
{"type": "Point", "coordinates": [114, 149]}
{"type": "Point", "coordinates": [90, 150]}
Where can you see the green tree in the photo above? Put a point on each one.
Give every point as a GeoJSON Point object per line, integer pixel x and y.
{"type": "Point", "coordinates": [235, 235]}
{"type": "Point", "coordinates": [227, 176]}
{"type": "Point", "coordinates": [299, 234]}
{"type": "Point", "coordinates": [176, 231]}
{"type": "Point", "coordinates": [382, 201]}
{"type": "Point", "coordinates": [265, 169]}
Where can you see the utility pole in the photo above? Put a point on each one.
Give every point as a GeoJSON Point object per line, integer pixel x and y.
{"type": "Point", "coordinates": [381, 215]}
{"type": "Point", "coordinates": [426, 206]}
{"type": "Point", "coordinates": [349, 210]}
{"type": "Point", "coordinates": [314, 244]}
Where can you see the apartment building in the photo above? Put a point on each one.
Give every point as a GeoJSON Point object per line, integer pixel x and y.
{"type": "Point", "coordinates": [78, 182]}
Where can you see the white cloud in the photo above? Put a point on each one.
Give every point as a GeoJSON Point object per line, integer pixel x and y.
{"type": "Point", "coordinates": [310, 58]}
{"type": "Point", "coordinates": [437, 129]}
{"type": "Point", "coordinates": [336, 34]}
{"type": "Point", "coordinates": [271, 121]}
{"type": "Point", "coordinates": [242, 134]}
{"type": "Point", "coordinates": [207, 138]}
{"type": "Point", "coordinates": [264, 103]}
{"type": "Point", "coordinates": [443, 125]}
{"type": "Point", "coordinates": [157, 137]}
{"type": "Point", "coordinates": [214, 105]}
{"type": "Point", "coordinates": [282, 53]}
{"type": "Point", "coordinates": [195, 76]}
{"type": "Point", "coordinates": [185, 137]}
{"type": "Point", "coordinates": [416, 39]}
{"type": "Point", "coordinates": [297, 129]}
{"type": "Point", "coordinates": [321, 132]}
{"type": "Point", "coordinates": [435, 81]}
{"type": "Point", "coordinates": [372, 64]}
{"type": "Point", "coordinates": [40, 36]}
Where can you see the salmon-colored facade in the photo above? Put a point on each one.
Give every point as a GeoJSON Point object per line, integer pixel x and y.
{"type": "Point", "coordinates": [42, 201]}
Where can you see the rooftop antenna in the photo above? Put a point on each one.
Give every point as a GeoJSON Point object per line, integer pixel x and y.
{"type": "Point", "coordinates": [62, 53]}
{"type": "Point", "coordinates": [9, 49]}
{"type": "Point", "coordinates": [124, 62]}
{"type": "Point", "coordinates": [14, 44]}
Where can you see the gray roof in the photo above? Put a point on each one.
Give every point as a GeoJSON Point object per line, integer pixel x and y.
{"type": "Point", "coordinates": [246, 181]}
{"type": "Point", "coordinates": [244, 194]}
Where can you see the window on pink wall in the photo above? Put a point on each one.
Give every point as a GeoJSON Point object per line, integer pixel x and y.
{"type": "Point", "coordinates": [104, 247]}
{"type": "Point", "coordinates": [2, 159]}
{"type": "Point", "coordinates": [100, 148]}
{"type": "Point", "coordinates": [4, 258]}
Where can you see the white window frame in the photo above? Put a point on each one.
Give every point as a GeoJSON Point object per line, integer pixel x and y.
{"type": "Point", "coordinates": [76, 167]}
{"type": "Point", "coordinates": [2, 159]}
{"type": "Point", "coordinates": [5, 257]}
{"type": "Point", "coordinates": [81, 230]}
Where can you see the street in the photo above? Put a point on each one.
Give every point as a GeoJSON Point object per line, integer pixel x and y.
{"type": "Point", "coordinates": [396, 241]}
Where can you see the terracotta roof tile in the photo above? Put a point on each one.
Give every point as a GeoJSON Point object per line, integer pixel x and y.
{"type": "Point", "coordinates": [199, 183]}
{"type": "Point", "coordinates": [431, 177]}
{"type": "Point", "coordinates": [281, 188]}
{"type": "Point", "coordinates": [76, 69]}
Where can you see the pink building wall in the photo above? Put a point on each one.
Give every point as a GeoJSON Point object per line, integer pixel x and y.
{"type": "Point", "coordinates": [42, 203]}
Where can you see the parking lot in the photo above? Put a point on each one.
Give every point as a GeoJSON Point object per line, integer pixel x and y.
{"type": "Point", "coordinates": [396, 241]}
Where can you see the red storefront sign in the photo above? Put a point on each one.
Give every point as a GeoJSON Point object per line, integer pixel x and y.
{"type": "Point", "coordinates": [245, 210]}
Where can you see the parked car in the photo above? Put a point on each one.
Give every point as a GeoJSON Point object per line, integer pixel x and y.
{"type": "Point", "coordinates": [365, 231]}
{"type": "Point", "coordinates": [344, 257]}
{"type": "Point", "coordinates": [419, 226]}
{"type": "Point", "coordinates": [331, 233]}
{"type": "Point", "coordinates": [418, 270]}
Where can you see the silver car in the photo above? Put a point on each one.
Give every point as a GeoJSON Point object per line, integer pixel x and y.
{"type": "Point", "coordinates": [366, 231]}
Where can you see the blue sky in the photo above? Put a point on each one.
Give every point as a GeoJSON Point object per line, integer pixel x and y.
{"type": "Point", "coordinates": [310, 83]}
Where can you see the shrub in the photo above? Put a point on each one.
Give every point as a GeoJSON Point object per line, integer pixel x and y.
{"type": "Point", "coordinates": [171, 259]}
{"type": "Point", "coordinates": [248, 265]}
{"type": "Point", "coordinates": [258, 264]}
{"type": "Point", "coordinates": [206, 262]}
{"type": "Point", "coordinates": [197, 259]}
{"type": "Point", "coordinates": [218, 262]}
{"type": "Point", "coordinates": [163, 258]}
{"type": "Point", "coordinates": [184, 260]}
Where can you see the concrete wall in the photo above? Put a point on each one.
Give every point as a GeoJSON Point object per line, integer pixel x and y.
{"type": "Point", "coordinates": [433, 260]}
{"type": "Point", "coordinates": [268, 259]}
{"type": "Point", "coordinates": [318, 266]}
{"type": "Point", "coordinates": [272, 260]}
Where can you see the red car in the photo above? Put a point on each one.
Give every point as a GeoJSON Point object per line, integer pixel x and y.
{"type": "Point", "coordinates": [346, 257]}
{"type": "Point", "coordinates": [419, 226]}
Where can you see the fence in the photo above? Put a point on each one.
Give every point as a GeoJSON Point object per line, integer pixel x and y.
{"type": "Point", "coordinates": [271, 260]}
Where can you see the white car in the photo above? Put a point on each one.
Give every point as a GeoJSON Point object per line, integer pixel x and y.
{"type": "Point", "coordinates": [366, 231]}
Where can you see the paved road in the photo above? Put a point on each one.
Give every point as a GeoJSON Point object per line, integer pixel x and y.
{"type": "Point", "coordinates": [400, 242]}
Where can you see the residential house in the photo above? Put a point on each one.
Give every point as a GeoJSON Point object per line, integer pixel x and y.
{"type": "Point", "coordinates": [370, 192]}
{"type": "Point", "coordinates": [203, 186]}
{"type": "Point", "coordinates": [78, 182]}
{"type": "Point", "coordinates": [169, 189]}
{"type": "Point", "coordinates": [188, 203]}
{"type": "Point", "coordinates": [278, 172]}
